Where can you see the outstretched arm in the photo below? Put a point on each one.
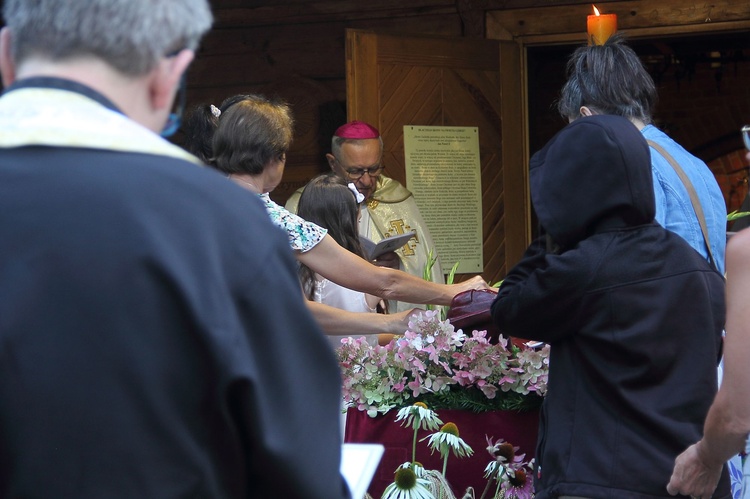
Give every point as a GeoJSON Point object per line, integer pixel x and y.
{"type": "Point", "coordinates": [338, 322]}
{"type": "Point", "coordinates": [346, 269]}
{"type": "Point", "coordinates": [697, 470]}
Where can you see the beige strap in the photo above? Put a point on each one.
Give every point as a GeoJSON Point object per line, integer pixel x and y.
{"type": "Point", "coordinates": [691, 191]}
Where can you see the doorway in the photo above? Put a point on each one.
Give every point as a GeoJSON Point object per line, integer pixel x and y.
{"type": "Point", "coordinates": [704, 97]}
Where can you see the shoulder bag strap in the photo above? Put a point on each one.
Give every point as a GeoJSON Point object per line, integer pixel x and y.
{"type": "Point", "coordinates": [691, 191]}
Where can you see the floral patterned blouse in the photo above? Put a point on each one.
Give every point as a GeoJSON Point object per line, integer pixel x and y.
{"type": "Point", "coordinates": [303, 235]}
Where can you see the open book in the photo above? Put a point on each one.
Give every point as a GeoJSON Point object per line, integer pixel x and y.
{"type": "Point", "coordinates": [390, 244]}
{"type": "Point", "coordinates": [358, 465]}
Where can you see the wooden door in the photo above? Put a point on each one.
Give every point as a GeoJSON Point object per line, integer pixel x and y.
{"type": "Point", "coordinates": [395, 80]}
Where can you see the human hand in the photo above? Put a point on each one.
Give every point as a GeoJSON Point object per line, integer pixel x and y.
{"type": "Point", "coordinates": [692, 476]}
{"type": "Point", "coordinates": [476, 282]}
{"type": "Point", "coordinates": [398, 323]}
{"type": "Point", "coordinates": [389, 259]}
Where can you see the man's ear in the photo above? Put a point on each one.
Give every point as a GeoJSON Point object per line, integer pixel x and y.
{"type": "Point", "coordinates": [166, 78]}
{"type": "Point", "coordinates": [585, 111]}
{"type": "Point", "coordinates": [7, 64]}
{"type": "Point", "coordinates": [331, 161]}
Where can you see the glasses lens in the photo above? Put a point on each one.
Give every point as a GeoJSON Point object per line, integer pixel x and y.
{"type": "Point", "coordinates": [356, 174]}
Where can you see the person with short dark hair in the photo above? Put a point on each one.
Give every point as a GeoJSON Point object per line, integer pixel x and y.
{"type": "Point", "coordinates": [610, 79]}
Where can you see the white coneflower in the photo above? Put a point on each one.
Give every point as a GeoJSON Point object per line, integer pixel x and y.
{"type": "Point", "coordinates": [436, 482]}
{"type": "Point", "coordinates": [418, 416]}
{"type": "Point", "coordinates": [406, 485]}
{"type": "Point", "coordinates": [416, 467]}
{"type": "Point", "coordinates": [447, 440]}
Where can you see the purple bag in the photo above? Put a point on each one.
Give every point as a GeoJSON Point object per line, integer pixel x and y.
{"type": "Point", "coordinates": [470, 311]}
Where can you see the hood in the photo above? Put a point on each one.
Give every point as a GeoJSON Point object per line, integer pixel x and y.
{"type": "Point", "coordinates": [595, 174]}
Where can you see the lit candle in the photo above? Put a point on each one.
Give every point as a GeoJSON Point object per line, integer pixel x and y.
{"type": "Point", "coordinates": [600, 27]}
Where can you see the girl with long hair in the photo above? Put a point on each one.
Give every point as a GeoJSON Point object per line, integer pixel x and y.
{"type": "Point", "coordinates": [330, 203]}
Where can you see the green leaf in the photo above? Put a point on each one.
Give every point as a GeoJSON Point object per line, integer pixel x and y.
{"type": "Point", "coordinates": [427, 271]}
{"type": "Point", "coordinates": [452, 273]}
{"type": "Point", "coordinates": [737, 214]}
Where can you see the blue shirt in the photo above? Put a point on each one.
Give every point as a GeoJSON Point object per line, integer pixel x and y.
{"type": "Point", "coordinates": [674, 210]}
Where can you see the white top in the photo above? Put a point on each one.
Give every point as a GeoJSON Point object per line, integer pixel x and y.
{"type": "Point", "coordinates": [332, 294]}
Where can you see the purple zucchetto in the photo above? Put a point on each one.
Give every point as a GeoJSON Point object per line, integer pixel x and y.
{"type": "Point", "coordinates": [357, 130]}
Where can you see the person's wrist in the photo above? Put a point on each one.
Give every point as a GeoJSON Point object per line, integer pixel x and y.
{"type": "Point", "coordinates": [395, 325]}
{"type": "Point", "coordinates": [705, 456]}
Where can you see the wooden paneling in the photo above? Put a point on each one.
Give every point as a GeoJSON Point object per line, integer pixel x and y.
{"type": "Point", "coordinates": [395, 80]}
{"type": "Point", "coordinates": [296, 50]}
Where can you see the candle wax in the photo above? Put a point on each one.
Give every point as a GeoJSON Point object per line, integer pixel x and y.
{"type": "Point", "coordinates": [601, 27]}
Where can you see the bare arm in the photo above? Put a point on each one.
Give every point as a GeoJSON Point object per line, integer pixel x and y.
{"type": "Point", "coordinates": [697, 470]}
{"type": "Point", "coordinates": [346, 269]}
{"type": "Point", "coordinates": [338, 322]}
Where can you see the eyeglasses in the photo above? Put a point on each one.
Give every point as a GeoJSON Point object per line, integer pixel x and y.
{"type": "Point", "coordinates": [357, 173]}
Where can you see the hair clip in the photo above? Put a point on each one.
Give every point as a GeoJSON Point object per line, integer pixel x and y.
{"type": "Point", "coordinates": [358, 195]}
{"type": "Point", "coordinates": [215, 111]}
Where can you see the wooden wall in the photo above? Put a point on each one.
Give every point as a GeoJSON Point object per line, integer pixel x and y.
{"type": "Point", "coordinates": [295, 49]}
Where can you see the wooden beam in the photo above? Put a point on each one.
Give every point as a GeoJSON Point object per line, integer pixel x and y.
{"type": "Point", "coordinates": [515, 176]}
{"type": "Point", "coordinates": [314, 12]}
{"type": "Point", "coordinates": [632, 16]}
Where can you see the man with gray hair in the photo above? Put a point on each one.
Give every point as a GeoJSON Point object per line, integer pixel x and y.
{"type": "Point", "coordinates": [153, 337]}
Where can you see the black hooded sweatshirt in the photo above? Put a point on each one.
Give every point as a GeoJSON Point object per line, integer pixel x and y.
{"type": "Point", "coordinates": [633, 313]}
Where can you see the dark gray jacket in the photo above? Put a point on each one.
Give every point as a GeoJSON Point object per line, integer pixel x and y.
{"type": "Point", "coordinates": [633, 313]}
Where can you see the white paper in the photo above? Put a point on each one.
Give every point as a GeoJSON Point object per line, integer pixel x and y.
{"type": "Point", "coordinates": [358, 465]}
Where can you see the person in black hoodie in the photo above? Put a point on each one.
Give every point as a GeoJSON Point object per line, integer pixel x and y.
{"type": "Point", "coordinates": [634, 316]}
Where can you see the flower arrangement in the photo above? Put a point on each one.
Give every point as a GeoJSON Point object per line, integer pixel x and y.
{"type": "Point", "coordinates": [435, 363]}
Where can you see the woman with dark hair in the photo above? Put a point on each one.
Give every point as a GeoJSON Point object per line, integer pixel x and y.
{"type": "Point", "coordinates": [249, 145]}
{"type": "Point", "coordinates": [203, 121]}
